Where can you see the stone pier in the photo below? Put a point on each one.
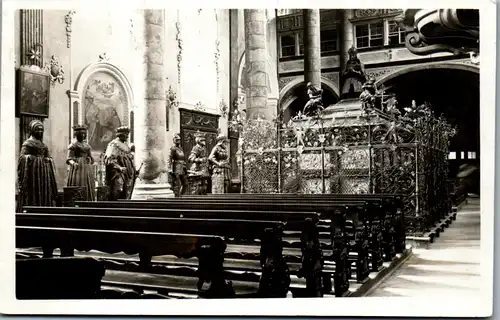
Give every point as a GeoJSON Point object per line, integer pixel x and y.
{"type": "Point", "coordinates": [312, 47]}
{"type": "Point", "coordinates": [346, 40]}
{"type": "Point", "coordinates": [256, 59]}
{"type": "Point", "coordinates": [150, 119]}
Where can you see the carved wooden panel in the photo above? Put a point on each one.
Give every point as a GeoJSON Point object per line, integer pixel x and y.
{"type": "Point", "coordinates": [191, 122]}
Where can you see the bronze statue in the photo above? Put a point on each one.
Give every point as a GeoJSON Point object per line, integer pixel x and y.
{"type": "Point", "coordinates": [367, 97]}
{"type": "Point", "coordinates": [120, 168]}
{"type": "Point", "coordinates": [80, 161]}
{"type": "Point", "coordinates": [199, 164]}
{"type": "Point", "coordinates": [219, 158]}
{"type": "Point", "coordinates": [353, 64]}
{"type": "Point", "coordinates": [35, 171]}
{"type": "Point", "coordinates": [177, 167]}
{"type": "Point", "coordinates": [315, 103]}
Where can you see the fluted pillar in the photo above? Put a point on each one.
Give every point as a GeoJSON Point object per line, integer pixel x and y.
{"type": "Point", "coordinates": [256, 59]}
{"type": "Point", "coordinates": [312, 47]}
{"type": "Point", "coordinates": [150, 119]}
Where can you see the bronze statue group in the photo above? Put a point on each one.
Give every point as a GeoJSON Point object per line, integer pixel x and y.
{"type": "Point", "coordinates": [37, 185]}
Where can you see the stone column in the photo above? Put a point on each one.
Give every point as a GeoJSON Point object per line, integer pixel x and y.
{"type": "Point", "coordinates": [346, 35]}
{"type": "Point", "coordinates": [256, 60]}
{"type": "Point", "coordinates": [150, 119]}
{"type": "Point", "coordinates": [312, 47]}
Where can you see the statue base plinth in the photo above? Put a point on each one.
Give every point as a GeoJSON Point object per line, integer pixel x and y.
{"type": "Point", "coordinates": [152, 191]}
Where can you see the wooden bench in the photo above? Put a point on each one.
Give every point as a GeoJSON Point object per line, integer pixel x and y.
{"type": "Point", "coordinates": [386, 212]}
{"type": "Point", "coordinates": [208, 249]}
{"type": "Point", "coordinates": [335, 212]}
{"type": "Point", "coordinates": [64, 278]}
{"type": "Point", "coordinates": [207, 223]}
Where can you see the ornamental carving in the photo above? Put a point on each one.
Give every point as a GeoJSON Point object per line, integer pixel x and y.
{"type": "Point", "coordinates": [69, 21]}
{"type": "Point", "coordinates": [35, 54]}
{"type": "Point", "coordinates": [179, 50]}
{"type": "Point", "coordinates": [217, 56]}
{"type": "Point", "coordinates": [103, 57]}
{"type": "Point", "coordinates": [172, 97]}
{"type": "Point", "coordinates": [54, 68]}
{"type": "Point", "coordinates": [333, 77]}
{"type": "Point", "coordinates": [369, 13]}
{"type": "Point", "coordinates": [282, 82]}
{"type": "Point", "coordinates": [199, 106]}
{"type": "Point", "coordinates": [376, 74]}
{"type": "Point", "coordinates": [223, 108]}
{"type": "Point", "coordinates": [198, 120]}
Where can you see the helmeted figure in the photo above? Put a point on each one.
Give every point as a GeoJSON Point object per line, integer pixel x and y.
{"type": "Point", "coordinates": [80, 161]}
{"type": "Point", "coordinates": [120, 168]}
{"type": "Point", "coordinates": [35, 171]}
{"type": "Point", "coordinates": [177, 167]}
{"type": "Point", "coordinates": [368, 97]}
{"type": "Point", "coordinates": [315, 103]}
{"type": "Point", "coordinates": [219, 158]}
{"type": "Point", "coordinates": [198, 171]}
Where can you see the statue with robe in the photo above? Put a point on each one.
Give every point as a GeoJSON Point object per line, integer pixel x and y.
{"type": "Point", "coordinates": [219, 159]}
{"type": "Point", "coordinates": [198, 172]}
{"type": "Point", "coordinates": [80, 162]}
{"type": "Point", "coordinates": [35, 171]}
{"type": "Point", "coordinates": [120, 167]}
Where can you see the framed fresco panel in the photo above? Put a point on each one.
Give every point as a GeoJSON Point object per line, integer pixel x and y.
{"type": "Point", "coordinates": [33, 93]}
{"type": "Point", "coordinates": [105, 108]}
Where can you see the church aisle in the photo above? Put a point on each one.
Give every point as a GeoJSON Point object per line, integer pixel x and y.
{"type": "Point", "coordinates": [450, 267]}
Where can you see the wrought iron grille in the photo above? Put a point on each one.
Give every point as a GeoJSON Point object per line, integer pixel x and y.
{"type": "Point", "coordinates": [374, 153]}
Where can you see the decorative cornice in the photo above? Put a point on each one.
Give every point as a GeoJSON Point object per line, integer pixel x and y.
{"type": "Point", "coordinates": [69, 21]}
{"type": "Point", "coordinates": [179, 51]}
{"type": "Point", "coordinates": [360, 14]}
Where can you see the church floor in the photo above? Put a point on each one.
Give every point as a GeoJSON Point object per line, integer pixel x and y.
{"type": "Point", "coordinates": [451, 266]}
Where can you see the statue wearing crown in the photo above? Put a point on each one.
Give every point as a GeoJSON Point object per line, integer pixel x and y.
{"type": "Point", "coordinates": [198, 159]}
{"type": "Point", "coordinates": [80, 162]}
{"type": "Point", "coordinates": [120, 167]}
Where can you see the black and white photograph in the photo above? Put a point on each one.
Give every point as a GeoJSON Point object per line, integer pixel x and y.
{"type": "Point", "coordinates": [165, 159]}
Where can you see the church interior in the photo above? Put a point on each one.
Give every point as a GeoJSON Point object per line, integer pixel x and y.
{"type": "Point", "coordinates": [240, 153]}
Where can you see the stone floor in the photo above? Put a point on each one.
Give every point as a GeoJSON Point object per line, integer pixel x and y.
{"type": "Point", "coordinates": [450, 267]}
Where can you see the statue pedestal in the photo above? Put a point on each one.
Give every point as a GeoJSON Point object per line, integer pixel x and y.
{"type": "Point", "coordinates": [152, 191]}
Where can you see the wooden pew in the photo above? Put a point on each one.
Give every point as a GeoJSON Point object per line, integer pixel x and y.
{"type": "Point", "coordinates": [335, 212]}
{"type": "Point", "coordinates": [208, 249]}
{"type": "Point", "coordinates": [385, 208]}
{"type": "Point", "coordinates": [206, 223]}
{"type": "Point", "coordinates": [63, 278]}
